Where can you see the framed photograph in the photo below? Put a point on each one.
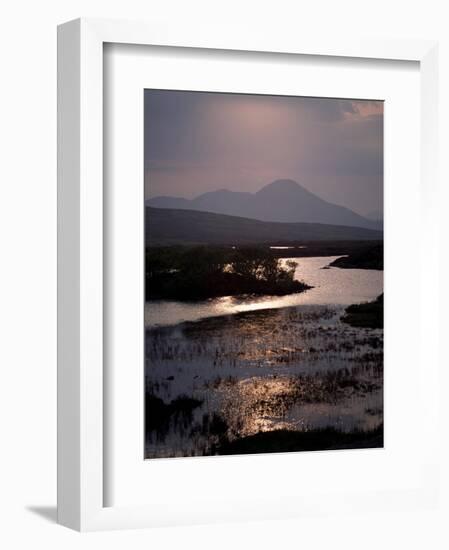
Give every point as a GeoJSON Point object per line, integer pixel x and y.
{"type": "Point", "coordinates": [242, 223]}
{"type": "Point", "coordinates": [263, 306]}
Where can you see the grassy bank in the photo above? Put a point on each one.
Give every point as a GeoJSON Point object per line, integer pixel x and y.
{"type": "Point", "coordinates": [368, 315]}
{"type": "Point", "coordinates": [367, 258]}
{"type": "Point", "coordinates": [281, 441]}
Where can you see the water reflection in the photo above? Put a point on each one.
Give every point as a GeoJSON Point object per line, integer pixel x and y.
{"type": "Point", "coordinates": [331, 286]}
{"type": "Point", "coordinates": [286, 247]}
{"type": "Point", "coordinates": [230, 377]}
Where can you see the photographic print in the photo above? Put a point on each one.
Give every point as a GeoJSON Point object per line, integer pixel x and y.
{"type": "Point", "coordinates": [263, 273]}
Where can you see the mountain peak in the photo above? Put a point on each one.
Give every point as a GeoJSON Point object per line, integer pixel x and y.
{"type": "Point", "coordinates": [282, 185]}
{"type": "Point", "coordinates": [283, 200]}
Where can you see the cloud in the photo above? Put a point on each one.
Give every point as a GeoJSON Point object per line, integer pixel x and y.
{"type": "Point", "coordinates": [368, 108]}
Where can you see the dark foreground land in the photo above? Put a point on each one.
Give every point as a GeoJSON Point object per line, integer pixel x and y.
{"type": "Point", "coordinates": [367, 257]}
{"type": "Point", "coordinates": [192, 273]}
{"type": "Point", "coordinates": [367, 315]}
{"type": "Point", "coordinates": [282, 441]}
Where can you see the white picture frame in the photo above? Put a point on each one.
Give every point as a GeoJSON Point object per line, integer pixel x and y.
{"type": "Point", "coordinates": [81, 408]}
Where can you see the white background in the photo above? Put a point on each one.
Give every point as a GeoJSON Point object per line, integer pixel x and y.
{"type": "Point", "coordinates": [132, 481]}
{"type": "Point", "coordinates": [28, 270]}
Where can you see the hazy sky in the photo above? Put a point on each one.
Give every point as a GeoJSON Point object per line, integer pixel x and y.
{"type": "Point", "coordinates": [197, 142]}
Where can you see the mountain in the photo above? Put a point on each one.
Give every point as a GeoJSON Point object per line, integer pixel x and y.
{"type": "Point", "coordinates": [166, 226]}
{"type": "Point", "coordinates": [280, 201]}
{"type": "Point", "coordinates": [376, 215]}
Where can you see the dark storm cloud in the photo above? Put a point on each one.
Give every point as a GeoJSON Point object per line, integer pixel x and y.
{"type": "Point", "coordinates": [197, 142]}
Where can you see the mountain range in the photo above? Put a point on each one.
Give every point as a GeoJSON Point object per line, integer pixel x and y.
{"type": "Point", "coordinates": [283, 201]}
{"type": "Point", "coordinates": [167, 226]}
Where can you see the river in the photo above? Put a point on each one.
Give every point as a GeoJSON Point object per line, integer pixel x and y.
{"type": "Point", "coordinates": [331, 286]}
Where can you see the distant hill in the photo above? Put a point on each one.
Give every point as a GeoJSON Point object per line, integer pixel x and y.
{"type": "Point", "coordinates": [281, 201]}
{"type": "Point", "coordinates": [164, 226]}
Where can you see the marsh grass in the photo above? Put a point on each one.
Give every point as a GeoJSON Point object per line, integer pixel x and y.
{"type": "Point", "coordinates": [159, 415]}
{"type": "Point", "coordinates": [222, 380]}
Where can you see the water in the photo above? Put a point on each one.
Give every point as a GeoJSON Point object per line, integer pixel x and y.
{"type": "Point", "coordinates": [230, 368]}
{"type": "Point", "coordinates": [296, 369]}
{"type": "Point", "coordinates": [333, 286]}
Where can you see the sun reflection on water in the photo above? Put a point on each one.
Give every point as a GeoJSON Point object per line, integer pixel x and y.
{"type": "Point", "coordinates": [233, 367]}
{"type": "Point", "coordinates": [330, 287]}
